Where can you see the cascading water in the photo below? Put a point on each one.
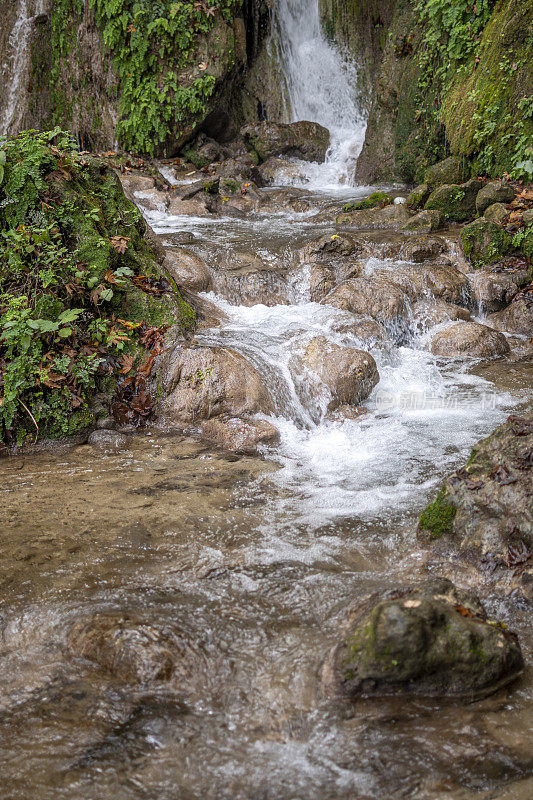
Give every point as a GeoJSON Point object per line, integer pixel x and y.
{"type": "Point", "coordinates": [321, 85]}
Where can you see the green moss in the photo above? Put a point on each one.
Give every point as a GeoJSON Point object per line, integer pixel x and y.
{"type": "Point", "coordinates": [437, 518]}
{"type": "Point", "coordinates": [484, 242]}
{"type": "Point", "coordinates": [373, 200]}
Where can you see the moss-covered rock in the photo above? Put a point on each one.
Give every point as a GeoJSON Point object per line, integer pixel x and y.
{"type": "Point", "coordinates": [374, 200]}
{"type": "Point", "coordinates": [494, 192]}
{"type": "Point", "coordinates": [450, 170]}
{"type": "Point", "coordinates": [483, 242]}
{"type": "Point", "coordinates": [418, 196]}
{"type": "Point", "coordinates": [432, 639]}
{"type": "Point", "coordinates": [496, 213]}
{"type": "Point", "coordinates": [306, 140]}
{"type": "Point", "coordinates": [424, 222]}
{"type": "Point", "coordinates": [456, 202]}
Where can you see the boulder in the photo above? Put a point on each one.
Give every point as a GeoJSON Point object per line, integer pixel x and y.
{"type": "Point", "coordinates": [516, 318]}
{"type": "Point", "coordinates": [418, 196]}
{"type": "Point", "coordinates": [364, 328]}
{"type": "Point", "coordinates": [239, 170]}
{"type": "Point", "coordinates": [424, 222]}
{"type": "Point", "coordinates": [423, 249]}
{"type": "Point", "coordinates": [429, 313]}
{"type": "Point", "coordinates": [456, 202]}
{"type": "Point", "coordinates": [280, 169]}
{"type": "Point", "coordinates": [108, 441]}
{"type": "Point", "coordinates": [238, 435]}
{"type": "Point", "coordinates": [469, 339]}
{"type": "Point", "coordinates": [494, 192]}
{"type": "Point", "coordinates": [151, 199]}
{"type": "Point", "coordinates": [392, 216]}
{"type": "Point", "coordinates": [419, 280]}
{"type": "Point", "coordinates": [496, 213]}
{"type": "Point", "coordinates": [484, 513]}
{"type": "Point", "coordinates": [306, 140]}
{"type": "Point", "coordinates": [198, 206]}
{"type": "Point", "coordinates": [321, 282]}
{"type": "Point", "coordinates": [378, 298]}
{"type": "Point", "coordinates": [451, 170]}
{"type": "Point", "coordinates": [491, 291]}
{"type": "Point", "coordinates": [329, 247]}
{"type": "Point", "coordinates": [483, 242]}
{"type": "Point", "coordinates": [349, 374]}
{"type": "Point", "coordinates": [187, 269]}
{"type": "Point", "coordinates": [130, 651]}
{"type": "Point", "coordinates": [430, 640]}
{"type": "Point", "coordinates": [203, 382]}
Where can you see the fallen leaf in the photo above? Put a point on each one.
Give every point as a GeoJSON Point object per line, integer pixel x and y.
{"type": "Point", "coordinates": [120, 243]}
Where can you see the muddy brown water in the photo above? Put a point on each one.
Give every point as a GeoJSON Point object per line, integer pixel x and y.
{"type": "Point", "coordinates": [214, 551]}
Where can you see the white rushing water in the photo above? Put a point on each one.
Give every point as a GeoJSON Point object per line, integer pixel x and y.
{"type": "Point", "coordinates": [321, 86]}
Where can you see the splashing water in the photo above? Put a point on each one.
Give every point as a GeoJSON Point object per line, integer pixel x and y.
{"type": "Point", "coordinates": [321, 85]}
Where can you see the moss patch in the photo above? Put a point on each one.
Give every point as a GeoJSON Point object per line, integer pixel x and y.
{"type": "Point", "coordinates": [372, 201]}
{"type": "Point", "coordinates": [437, 518]}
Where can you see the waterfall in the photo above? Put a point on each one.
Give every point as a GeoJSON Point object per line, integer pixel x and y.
{"type": "Point", "coordinates": [321, 85]}
{"type": "Point", "coordinates": [15, 66]}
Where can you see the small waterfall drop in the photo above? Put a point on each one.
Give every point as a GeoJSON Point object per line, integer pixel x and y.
{"type": "Point", "coordinates": [321, 85]}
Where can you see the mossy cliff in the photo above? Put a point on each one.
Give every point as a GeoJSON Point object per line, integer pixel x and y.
{"type": "Point", "coordinates": [142, 76]}
{"type": "Point", "coordinates": [444, 78]}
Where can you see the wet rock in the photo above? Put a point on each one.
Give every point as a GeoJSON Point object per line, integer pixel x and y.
{"type": "Point", "coordinates": [346, 412]}
{"type": "Point", "coordinates": [238, 435]}
{"type": "Point", "coordinates": [456, 202]}
{"type": "Point", "coordinates": [418, 196]}
{"type": "Point", "coordinates": [469, 339]}
{"type": "Point", "coordinates": [378, 298]}
{"type": "Point", "coordinates": [429, 313]}
{"type": "Point", "coordinates": [423, 249]}
{"type": "Point", "coordinates": [349, 374]}
{"type": "Point", "coordinates": [496, 213]}
{"type": "Point", "coordinates": [430, 640]}
{"type": "Point", "coordinates": [130, 651]}
{"type": "Point", "coordinates": [108, 440]}
{"type": "Point", "coordinates": [198, 206]}
{"type": "Point", "coordinates": [483, 242]}
{"type": "Point", "coordinates": [451, 170]}
{"type": "Point", "coordinates": [365, 328]}
{"type": "Point", "coordinates": [424, 222]}
{"type": "Point", "coordinates": [187, 269]}
{"type": "Point", "coordinates": [329, 247]}
{"type": "Point", "coordinates": [492, 291]}
{"type": "Point", "coordinates": [282, 169]}
{"type": "Point", "coordinates": [484, 511]}
{"type": "Point", "coordinates": [132, 183]}
{"type": "Point", "coordinates": [151, 200]}
{"type": "Point", "coordinates": [494, 192]}
{"type": "Point", "coordinates": [392, 216]}
{"type": "Point", "coordinates": [239, 170]}
{"type": "Point", "coordinates": [306, 140]}
{"type": "Point", "coordinates": [516, 318]}
{"type": "Point", "coordinates": [440, 280]}
{"type": "Point", "coordinates": [106, 424]}
{"type": "Point", "coordinates": [203, 382]}
{"type": "Point", "coordinates": [322, 281]}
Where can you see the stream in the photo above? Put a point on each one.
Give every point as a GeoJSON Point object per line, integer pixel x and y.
{"type": "Point", "coordinates": [242, 566]}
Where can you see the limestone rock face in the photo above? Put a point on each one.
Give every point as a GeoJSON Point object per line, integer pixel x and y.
{"type": "Point", "coordinates": [349, 374]}
{"type": "Point", "coordinates": [305, 140]}
{"type": "Point", "coordinates": [431, 640]}
{"type": "Point", "coordinates": [204, 382]}
{"type": "Point", "coordinates": [469, 339]}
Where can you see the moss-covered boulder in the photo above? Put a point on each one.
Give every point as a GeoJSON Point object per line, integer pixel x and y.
{"type": "Point", "coordinates": [456, 202]}
{"type": "Point", "coordinates": [432, 639]}
{"type": "Point", "coordinates": [374, 200]}
{"type": "Point", "coordinates": [497, 213]}
{"type": "Point", "coordinates": [424, 222]}
{"type": "Point", "coordinates": [392, 216]}
{"type": "Point", "coordinates": [494, 192]}
{"type": "Point", "coordinates": [483, 242]}
{"type": "Point", "coordinates": [450, 170]}
{"type": "Point", "coordinates": [306, 140]}
{"type": "Point", "coordinates": [419, 196]}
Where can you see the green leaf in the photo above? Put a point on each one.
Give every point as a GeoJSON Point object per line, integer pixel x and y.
{"type": "Point", "coordinates": [70, 315]}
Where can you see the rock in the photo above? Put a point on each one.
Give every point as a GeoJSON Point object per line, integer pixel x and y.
{"type": "Point", "coordinates": [151, 200]}
{"type": "Point", "coordinates": [494, 192]}
{"type": "Point", "coordinates": [419, 280]}
{"type": "Point", "coordinates": [424, 222]}
{"type": "Point", "coordinates": [423, 249]}
{"type": "Point", "coordinates": [391, 216]}
{"type": "Point", "coordinates": [492, 291]}
{"type": "Point", "coordinates": [364, 328]}
{"type": "Point", "coordinates": [130, 651]}
{"type": "Point", "coordinates": [483, 242]}
{"type": "Point", "coordinates": [132, 183]}
{"type": "Point", "coordinates": [187, 269]}
{"type": "Point", "coordinates": [451, 170]}
{"type": "Point", "coordinates": [469, 339]}
{"type": "Point", "coordinates": [199, 206]}
{"type": "Point", "coordinates": [516, 318]}
{"type": "Point", "coordinates": [238, 435]}
{"type": "Point", "coordinates": [429, 313]}
{"type": "Point", "coordinates": [239, 170]}
{"type": "Point", "coordinates": [206, 185]}
{"type": "Point", "coordinates": [527, 217]}
{"type": "Point", "coordinates": [378, 298]}
{"type": "Point", "coordinates": [349, 374]}
{"type": "Point", "coordinates": [280, 169]}
{"type": "Point", "coordinates": [431, 640]}
{"type": "Point", "coordinates": [204, 382]}
{"type": "Point", "coordinates": [496, 213]}
{"type": "Point", "coordinates": [418, 196]}
{"type": "Point", "coordinates": [306, 140]}
{"type": "Point", "coordinates": [456, 202]}
{"type": "Point", "coordinates": [108, 441]}
{"type": "Point", "coordinates": [485, 508]}
{"type": "Point", "coordinates": [327, 247]}
{"type": "Point", "coordinates": [321, 283]}
{"type": "Point", "coordinates": [373, 200]}
{"type": "Point", "coordinates": [346, 412]}
{"type": "Point", "coordinates": [106, 423]}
